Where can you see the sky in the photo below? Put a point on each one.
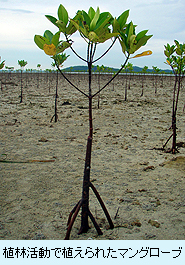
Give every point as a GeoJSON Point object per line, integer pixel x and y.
{"type": "Point", "coordinates": [20, 20]}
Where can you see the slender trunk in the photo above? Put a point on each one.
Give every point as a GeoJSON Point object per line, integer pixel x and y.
{"type": "Point", "coordinates": [174, 128]}
{"type": "Point", "coordinates": [56, 97]}
{"type": "Point", "coordinates": [38, 80]}
{"type": "Point", "coordinates": [141, 92]}
{"type": "Point", "coordinates": [125, 94]}
{"type": "Point", "coordinates": [99, 90]}
{"type": "Point", "coordinates": [155, 84]}
{"type": "Point", "coordinates": [86, 179]}
{"type": "Point", "coordinates": [174, 117]}
{"type": "Point", "coordinates": [174, 112]}
{"type": "Point", "coordinates": [21, 88]}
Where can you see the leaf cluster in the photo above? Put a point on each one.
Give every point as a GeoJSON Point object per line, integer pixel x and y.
{"type": "Point", "coordinates": [22, 63]}
{"type": "Point", "coordinates": [95, 28]}
{"type": "Point", "coordinates": [59, 59]}
{"type": "Point", "coordinates": [50, 43]}
{"type": "Point", "coordinates": [176, 57]}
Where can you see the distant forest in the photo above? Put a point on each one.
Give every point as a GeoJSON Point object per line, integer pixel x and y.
{"type": "Point", "coordinates": [136, 69]}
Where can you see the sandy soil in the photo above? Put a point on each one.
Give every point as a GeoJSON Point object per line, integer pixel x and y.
{"type": "Point", "coordinates": [142, 187]}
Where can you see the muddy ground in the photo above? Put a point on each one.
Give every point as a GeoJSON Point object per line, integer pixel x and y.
{"type": "Point", "coordinates": [142, 186]}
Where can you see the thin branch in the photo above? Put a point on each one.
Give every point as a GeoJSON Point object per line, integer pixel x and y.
{"type": "Point", "coordinates": [77, 54]}
{"type": "Point", "coordinates": [179, 85]}
{"type": "Point", "coordinates": [94, 51]}
{"type": "Point", "coordinates": [70, 81]}
{"type": "Point", "coordinates": [91, 53]}
{"type": "Point", "coordinates": [75, 51]}
{"type": "Point", "coordinates": [112, 77]}
{"type": "Point", "coordinates": [72, 220]}
{"type": "Point", "coordinates": [102, 205]}
{"type": "Point", "coordinates": [88, 48]}
{"type": "Point", "coordinates": [95, 223]}
{"type": "Point", "coordinates": [167, 141]}
{"type": "Point", "coordinates": [105, 51]}
{"type": "Point", "coordinates": [178, 91]}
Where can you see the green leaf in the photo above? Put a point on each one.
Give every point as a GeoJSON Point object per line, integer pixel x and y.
{"type": "Point", "coordinates": [62, 14]}
{"type": "Point", "coordinates": [116, 25]}
{"type": "Point", "coordinates": [52, 19]}
{"type": "Point", "coordinates": [129, 31]}
{"type": "Point", "coordinates": [86, 18]}
{"type": "Point", "coordinates": [132, 44]}
{"type": "Point", "coordinates": [103, 20]}
{"type": "Point", "coordinates": [40, 41]}
{"type": "Point", "coordinates": [93, 37]}
{"type": "Point", "coordinates": [48, 35]}
{"type": "Point", "coordinates": [123, 18]}
{"type": "Point", "coordinates": [63, 46]}
{"type": "Point", "coordinates": [75, 24]}
{"type": "Point", "coordinates": [143, 41]}
{"type": "Point", "coordinates": [107, 37]}
{"type": "Point", "coordinates": [177, 43]}
{"type": "Point", "coordinates": [123, 46]}
{"type": "Point", "coordinates": [95, 19]}
{"type": "Point", "coordinates": [61, 25]}
{"type": "Point", "coordinates": [2, 65]}
{"type": "Point", "coordinates": [70, 29]}
{"type": "Point", "coordinates": [91, 13]}
{"type": "Point", "coordinates": [55, 39]}
{"type": "Point", "coordinates": [141, 35]}
{"type": "Point", "coordinates": [166, 53]}
{"type": "Point", "coordinates": [178, 51]}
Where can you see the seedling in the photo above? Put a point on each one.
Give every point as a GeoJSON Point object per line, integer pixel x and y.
{"type": "Point", "coordinates": [39, 68]}
{"type": "Point", "coordinates": [95, 28]}
{"type": "Point", "coordinates": [1, 67]}
{"type": "Point", "coordinates": [22, 64]}
{"type": "Point", "coordinates": [176, 59]}
{"type": "Point", "coordinates": [144, 70]}
{"type": "Point", "coordinates": [156, 71]}
{"type": "Point", "coordinates": [59, 59]}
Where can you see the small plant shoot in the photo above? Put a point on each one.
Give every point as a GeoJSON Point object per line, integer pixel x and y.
{"type": "Point", "coordinates": [95, 28]}
{"type": "Point", "coordinates": [22, 64]}
{"type": "Point", "coordinates": [59, 60]}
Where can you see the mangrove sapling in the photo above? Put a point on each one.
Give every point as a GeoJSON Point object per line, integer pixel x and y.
{"type": "Point", "coordinates": [22, 64]}
{"type": "Point", "coordinates": [95, 28]}
{"type": "Point", "coordinates": [59, 59]}
{"type": "Point", "coordinates": [126, 70]}
{"type": "Point", "coordinates": [38, 69]}
{"type": "Point", "coordinates": [176, 59]}
{"type": "Point", "coordinates": [144, 70]}
{"type": "Point", "coordinates": [156, 71]}
{"type": "Point", "coordinates": [1, 67]}
{"type": "Point", "coordinates": [129, 66]}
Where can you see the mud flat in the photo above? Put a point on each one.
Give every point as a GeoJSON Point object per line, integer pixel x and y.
{"type": "Point", "coordinates": [143, 187]}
